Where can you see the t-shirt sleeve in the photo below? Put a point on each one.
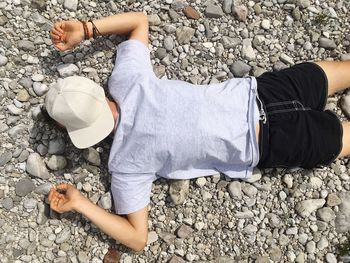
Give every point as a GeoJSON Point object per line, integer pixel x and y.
{"type": "Point", "coordinates": [132, 56]}
{"type": "Point", "coordinates": [131, 192]}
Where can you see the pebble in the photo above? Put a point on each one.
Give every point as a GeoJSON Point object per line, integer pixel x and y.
{"type": "Point", "coordinates": [227, 6]}
{"type": "Point", "coordinates": [154, 20]}
{"type": "Point", "coordinates": [191, 13]}
{"type": "Point", "coordinates": [23, 95]}
{"type": "Point", "coordinates": [240, 69]}
{"type": "Point", "coordinates": [7, 203]}
{"type": "Point", "coordinates": [56, 162]}
{"type": "Point", "coordinates": [265, 24]}
{"type": "Point", "coordinates": [178, 191]}
{"type": "Point", "coordinates": [3, 60]}
{"type": "Point", "coordinates": [235, 190]}
{"type": "Point", "coordinates": [24, 187]}
{"type": "Point", "coordinates": [168, 43]}
{"type": "Point", "coordinates": [26, 45]}
{"type": "Point", "coordinates": [342, 221]}
{"type": "Point", "coordinates": [306, 207]}
{"type": "Point", "coordinates": [57, 146]}
{"type": "Point", "coordinates": [63, 236]}
{"type": "Point", "coordinates": [92, 156]}
{"type": "Point", "coordinates": [71, 5]}
{"type": "Point", "coordinates": [152, 237]}
{"type": "Point", "coordinates": [184, 34]}
{"type": "Point", "coordinates": [105, 201]}
{"type": "Point", "coordinates": [36, 167]}
{"type": "Point", "coordinates": [248, 52]}
{"type": "Point", "coordinates": [241, 12]}
{"type": "Point", "coordinates": [5, 157]}
{"type": "Point", "coordinates": [67, 70]}
{"type": "Point", "coordinates": [39, 88]}
{"type": "Point", "coordinates": [201, 181]}
{"type": "Point", "coordinates": [44, 188]}
{"type": "Point", "coordinates": [30, 203]}
{"type": "Point", "coordinates": [249, 190]}
{"type": "Point", "coordinates": [38, 77]}
{"type": "Point", "coordinates": [345, 105]}
{"type": "Point", "coordinates": [331, 258]}
{"type": "Point", "coordinates": [327, 43]}
{"type": "Point", "coordinates": [333, 200]}
{"type": "Point", "coordinates": [214, 11]}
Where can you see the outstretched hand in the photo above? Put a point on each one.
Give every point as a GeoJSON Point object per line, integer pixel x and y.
{"type": "Point", "coordinates": [66, 35]}
{"type": "Point", "coordinates": [64, 198]}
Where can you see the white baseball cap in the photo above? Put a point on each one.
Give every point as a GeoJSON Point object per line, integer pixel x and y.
{"type": "Point", "coordinates": [80, 105]}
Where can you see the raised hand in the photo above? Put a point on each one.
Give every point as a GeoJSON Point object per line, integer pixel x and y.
{"type": "Point", "coordinates": [66, 35]}
{"type": "Point", "coordinates": [64, 198]}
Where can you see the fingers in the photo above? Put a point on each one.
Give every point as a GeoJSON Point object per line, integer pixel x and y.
{"type": "Point", "coordinates": [59, 27]}
{"type": "Point", "coordinates": [51, 193]}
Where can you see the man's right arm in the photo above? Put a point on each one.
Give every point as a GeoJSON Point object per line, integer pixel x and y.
{"type": "Point", "coordinates": [68, 34]}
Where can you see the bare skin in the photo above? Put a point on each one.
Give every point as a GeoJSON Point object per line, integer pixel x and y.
{"type": "Point", "coordinates": [339, 79]}
{"type": "Point", "coordinates": [132, 230]}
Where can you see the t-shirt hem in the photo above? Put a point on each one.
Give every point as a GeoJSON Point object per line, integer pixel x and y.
{"type": "Point", "coordinates": [135, 209]}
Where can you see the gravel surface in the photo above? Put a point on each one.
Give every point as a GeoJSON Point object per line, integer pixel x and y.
{"type": "Point", "coordinates": [282, 216]}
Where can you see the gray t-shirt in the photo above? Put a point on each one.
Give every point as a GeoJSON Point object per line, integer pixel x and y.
{"type": "Point", "coordinates": [176, 130]}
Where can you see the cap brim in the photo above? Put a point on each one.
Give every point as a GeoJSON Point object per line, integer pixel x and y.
{"type": "Point", "coordinates": [100, 129]}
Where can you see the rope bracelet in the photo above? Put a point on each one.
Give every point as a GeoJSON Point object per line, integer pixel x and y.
{"type": "Point", "coordinates": [95, 31]}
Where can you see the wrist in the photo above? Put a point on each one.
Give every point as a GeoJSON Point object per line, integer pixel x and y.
{"type": "Point", "coordinates": [90, 29]}
{"type": "Point", "coordinates": [79, 203]}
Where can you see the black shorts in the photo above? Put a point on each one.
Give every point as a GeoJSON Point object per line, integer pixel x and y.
{"type": "Point", "coordinates": [298, 132]}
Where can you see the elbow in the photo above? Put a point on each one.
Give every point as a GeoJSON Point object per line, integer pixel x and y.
{"type": "Point", "coordinates": [141, 245]}
{"type": "Point", "coordinates": [143, 19]}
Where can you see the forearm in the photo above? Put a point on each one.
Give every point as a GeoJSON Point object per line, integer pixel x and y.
{"type": "Point", "coordinates": [113, 225]}
{"type": "Point", "coordinates": [122, 24]}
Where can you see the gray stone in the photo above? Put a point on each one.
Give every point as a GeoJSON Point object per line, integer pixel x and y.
{"type": "Point", "coordinates": [44, 188]}
{"type": "Point", "coordinates": [331, 258]}
{"type": "Point", "coordinates": [248, 52]}
{"type": "Point", "coordinates": [92, 156]}
{"type": "Point", "coordinates": [26, 83]}
{"type": "Point", "coordinates": [30, 203]}
{"type": "Point", "coordinates": [105, 201]}
{"type": "Point", "coordinates": [152, 237]}
{"type": "Point", "coordinates": [265, 24]}
{"type": "Point", "coordinates": [14, 110]}
{"type": "Point", "coordinates": [7, 203]}
{"type": "Point", "coordinates": [214, 11]}
{"type": "Point", "coordinates": [303, 3]}
{"type": "Point", "coordinates": [23, 156]}
{"type": "Point", "coordinates": [83, 257]}
{"type": "Point", "coordinates": [154, 20]}
{"type": "Point", "coordinates": [57, 146]}
{"type": "Point", "coordinates": [333, 200]}
{"type": "Point", "coordinates": [240, 69]}
{"type": "Point", "coordinates": [176, 259]}
{"type": "Point", "coordinates": [344, 57]}
{"type": "Point", "coordinates": [43, 213]}
{"type": "Point", "coordinates": [71, 5]}
{"type": "Point", "coordinates": [3, 20]}
{"type": "Point", "coordinates": [26, 45]}
{"type": "Point", "coordinates": [168, 43]}
{"type": "Point", "coordinates": [24, 187]}
{"type": "Point", "coordinates": [184, 231]}
{"type": "Point", "coordinates": [327, 43]}
{"type": "Point", "coordinates": [286, 59]}
{"type": "Point", "coordinates": [256, 176]}
{"type": "Point", "coordinates": [201, 181]}
{"type": "Point", "coordinates": [244, 215]}
{"type": "Point", "coordinates": [63, 236]}
{"type": "Point", "coordinates": [241, 12]}
{"type": "Point", "coordinates": [57, 162]}
{"type": "Point", "coordinates": [39, 88]}
{"type": "Point", "coordinates": [275, 254]}
{"type": "Point", "coordinates": [227, 6]}
{"type": "Point", "coordinates": [235, 190]}
{"type": "Point", "coordinates": [5, 157]}
{"type": "Point", "coordinates": [342, 220]}
{"type": "Point", "coordinates": [229, 42]}
{"type": "Point", "coordinates": [184, 34]}
{"type": "Point", "coordinates": [66, 70]}
{"type": "Point", "coordinates": [178, 191]}
{"type": "Point", "coordinates": [3, 60]}
{"type": "Point", "coordinates": [36, 167]}
{"type": "Point", "coordinates": [306, 207]}
{"type": "Point", "coordinates": [168, 238]}
{"type": "Point", "coordinates": [161, 53]}
{"type": "Point", "coordinates": [249, 190]}
{"type": "Point", "coordinates": [39, 4]}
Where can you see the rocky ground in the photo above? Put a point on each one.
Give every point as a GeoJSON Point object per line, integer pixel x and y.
{"type": "Point", "coordinates": [282, 216]}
